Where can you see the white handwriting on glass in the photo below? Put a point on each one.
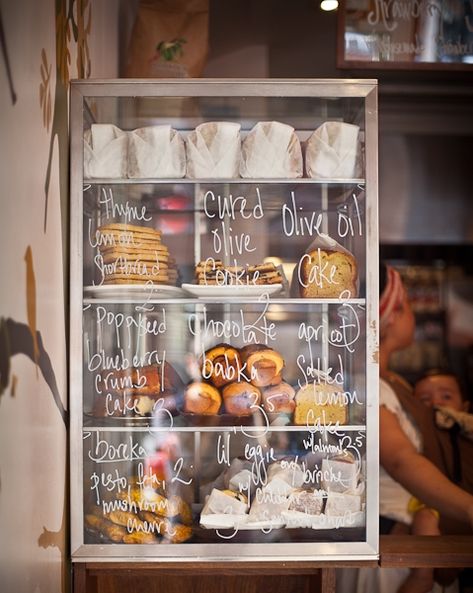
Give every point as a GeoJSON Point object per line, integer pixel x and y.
{"type": "Point", "coordinates": [259, 330]}
{"type": "Point", "coordinates": [135, 326]}
{"type": "Point", "coordinates": [344, 336]}
{"type": "Point", "coordinates": [230, 208]}
{"type": "Point", "coordinates": [125, 211]}
{"type": "Point", "coordinates": [105, 452]}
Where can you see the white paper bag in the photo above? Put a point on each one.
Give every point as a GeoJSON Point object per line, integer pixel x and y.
{"type": "Point", "coordinates": [105, 152]}
{"type": "Point", "coordinates": [271, 150]}
{"type": "Point", "coordinates": [331, 151]}
{"type": "Point", "coordinates": [156, 151]}
{"type": "Point", "coordinates": [213, 151]}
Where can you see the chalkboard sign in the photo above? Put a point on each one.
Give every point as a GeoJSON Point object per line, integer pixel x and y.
{"type": "Point", "coordinates": [406, 34]}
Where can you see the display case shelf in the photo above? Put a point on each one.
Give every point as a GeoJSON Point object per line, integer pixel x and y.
{"type": "Point", "coordinates": [235, 181]}
{"type": "Point", "coordinates": [218, 300]}
{"type": "Point", "coordinates": [235, 428]}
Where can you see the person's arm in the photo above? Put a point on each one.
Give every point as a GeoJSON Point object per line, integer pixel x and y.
{"type": "Point", "coordinates": [417, 474]}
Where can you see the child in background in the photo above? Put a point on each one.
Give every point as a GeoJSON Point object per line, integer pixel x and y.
{"type": "Point", "coordinates": [440, 390]}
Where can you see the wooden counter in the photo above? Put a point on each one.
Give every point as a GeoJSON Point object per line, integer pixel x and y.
{"type": "Point", "coordinates": [277, 577]}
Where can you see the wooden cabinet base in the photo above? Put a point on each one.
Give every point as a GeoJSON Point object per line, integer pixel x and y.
{"type": "Point", "coordinates": [254, 577]}
{"type": "Point", "coordinates": [277, 577]}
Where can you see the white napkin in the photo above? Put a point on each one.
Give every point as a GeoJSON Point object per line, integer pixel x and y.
{"type": "Point", "coordinates": [331, 151]}
{"type": "Point", "coordinates": [105, 152]}
{"type": "Point", "coordinates": [156, 151]}
{"type": "Point", "coordinates": [213, 150]}
{"type": "Point", "coordinates": [271, 150]}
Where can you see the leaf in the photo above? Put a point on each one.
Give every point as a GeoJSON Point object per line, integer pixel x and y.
{"type": "Point", "coordinates": [41, 94]}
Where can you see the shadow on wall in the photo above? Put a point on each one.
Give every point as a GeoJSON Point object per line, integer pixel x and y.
{"type": "Point", "coordinates": [71, 28]}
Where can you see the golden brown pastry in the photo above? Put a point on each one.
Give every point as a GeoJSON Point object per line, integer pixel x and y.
{"type": "Point", "coordinates": [263, 365]}
{"type": "Point", "coordinates": [177, 533]}
{"type": "Point", "coordinates": [202, 398]}
{"type": "Point", "coordinates": [279, 398]}
{"type": "Point", "coordinates": [173, 532]}
{"type": "Point", "coordinates": [140, 537]}
{"type": "Point", "coordinates": [241, 399]}
{"type": "Point", "coordinates": [120, 227]}
{"type": "Point", "coordinates": [121, 517]}
{"type": "Point", "coordinates": [152, 519]}
{"type": "Point", "coordinates": [221, 364]}
{"type": "Point", "coordinates": [114, 532]}
{"type": "Point", "coordinates": [327, 274]}
{"type": "Point", "coordinates": [149, 500]}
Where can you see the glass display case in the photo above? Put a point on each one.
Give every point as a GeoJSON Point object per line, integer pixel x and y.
{"type": "Point", "coordinates": [223, 376]}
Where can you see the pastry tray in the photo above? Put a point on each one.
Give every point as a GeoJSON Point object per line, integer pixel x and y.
{"type": "Point", "coordinates": [236, 291]}
{"type": "Point", "coordinates": [288, 519]}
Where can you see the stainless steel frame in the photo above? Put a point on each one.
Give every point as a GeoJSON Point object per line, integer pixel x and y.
{"type": "Point", "coordinates": [366, 89]}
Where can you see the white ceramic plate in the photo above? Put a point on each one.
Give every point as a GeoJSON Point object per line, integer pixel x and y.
{"type": "Point", "coordinates": [266, 525]}
{"type": "Point", "coordinates": [243, 290]}
{"type": "Point", "coordinates": [295, 520]}
{"type": "Point", "coordinates": [222, 521]}
{"type": "Point", "coordinates": [133, 291]}
{"type": "Point", "coordinates": [289, 519]}
{"type": "Point", "coordinates": [240, 522]}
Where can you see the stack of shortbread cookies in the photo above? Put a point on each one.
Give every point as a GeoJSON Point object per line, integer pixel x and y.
{"type": "Point", "coordinates": [132, 254]}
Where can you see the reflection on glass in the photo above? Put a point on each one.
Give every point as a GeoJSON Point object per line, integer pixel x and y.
{"type": "Point", "coordinates": [429, 31]}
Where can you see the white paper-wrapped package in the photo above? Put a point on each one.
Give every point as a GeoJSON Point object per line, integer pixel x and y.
{"type": "Point", "coordinates": [156, 151]}
{"type": "Point", "coordinates": [338, 504]}
{"type": "Point", "coordinates": [343, 476]}
{"type": "Point", "coordinates": [332, 151]}
{"type": "Point", "coordinates": [105, 152]}
{"type": "Point", "coordinates": [288, 471]}
{"type": "Point", "coordinates": [213, 151]}
{"type": "Point", "coordinates": [271, 150]}
{"type": "Point", "coordinates": [225, 502]}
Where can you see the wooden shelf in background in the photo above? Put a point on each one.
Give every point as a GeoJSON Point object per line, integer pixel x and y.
{"type": "Point", "coordinates": [446, 551]}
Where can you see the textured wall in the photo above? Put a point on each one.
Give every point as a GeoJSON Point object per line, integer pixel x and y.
{"type": "Point", "coordinates": [43, 45]}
